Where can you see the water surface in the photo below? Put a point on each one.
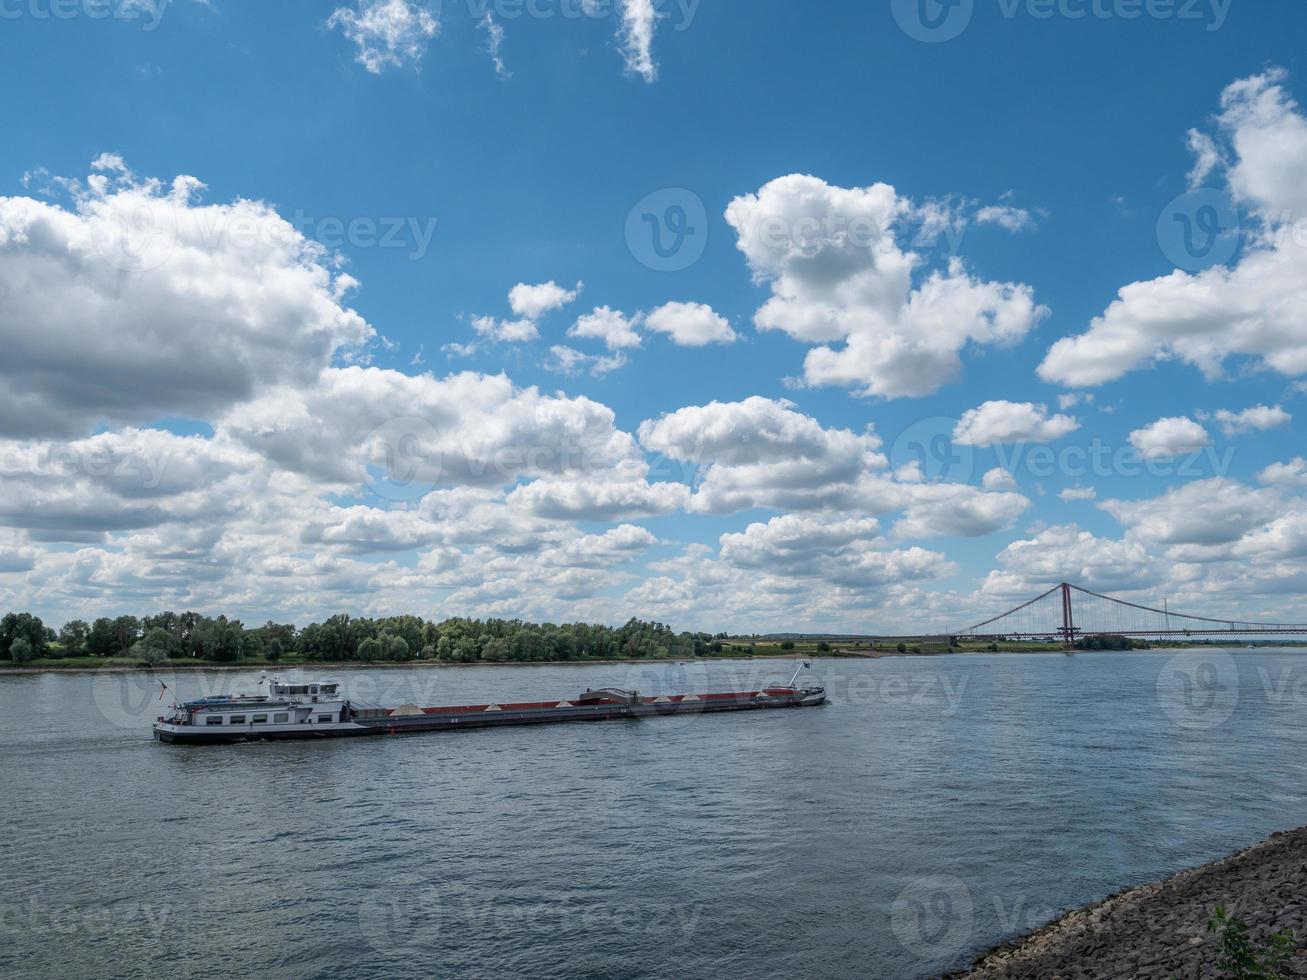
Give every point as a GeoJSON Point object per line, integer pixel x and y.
{"type": "Point", "coordinates": [936, 806]}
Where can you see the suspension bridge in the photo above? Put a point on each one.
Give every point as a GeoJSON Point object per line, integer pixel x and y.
{"type": "Point", "coordinates": [1070, 613]}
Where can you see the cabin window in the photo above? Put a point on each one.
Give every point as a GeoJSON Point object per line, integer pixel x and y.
{"type": "Point", "coordinates": [328, 688]}
{"type": "Point", "coordinates": [259, 720]}
{"type": "Point", "coordinates": [280, 719]}
{"type": "Point", "coordinates": [324, 719]}
{"type": "Point", "coordinates": [213, 720]}
{"type": "Point", "coordinates": [237, 720]}
{"type": "Point", "coordinates": [313, 689]}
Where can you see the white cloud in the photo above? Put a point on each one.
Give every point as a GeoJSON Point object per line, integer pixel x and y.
{"type": "Point", "coordinates": [998, 479]}
{"type": "Point", "coordinates": [691, 324]}
{"type": "Point", "coordinates": [956, 510]}
{"type": "Point", "coordinates": [1249, 311]}
{"type": "Point", "coordinates": [172, 307]}
{"type": "Point", "coordinates": [1068, 554]}
{"type": "Point", "coordinates": [838, 276]}
{"type": "Point", "coordinates": [570, 362]}
{"type": "Point", "coordinates": [577, 500]}
{"type": "Point", "coordinates": [1072, 494]}
{"type": "Point", "coordinates": [613, 327]}
{"type": "Point", "coordinates": [998, 422]}
{"type": "Point", "coordinates": [533, 302]}
{"type": "Point", "coordinates": [1290, 475]}
{"type": "Point", "coordinates": [467, 429]}
{"type": "Point", "coordinates": [1203, 513]}
{"type": "Point", "coordinates": [639, 19]}
{"type": "Point", "coordinates": [1259, 418]}
{"type": "Point", "coordinates": [505, 331]}
{"type": "Point", "coordinates": [1170, 437]}
{"type": "Point", "coordinates": [494, 41]}
{"type": "Point", "coordinates": [1207, 157]}
{"type": "Point", "coordinates": [1006, 217]}
{"type": "Point", "coordinates": [387, 33]}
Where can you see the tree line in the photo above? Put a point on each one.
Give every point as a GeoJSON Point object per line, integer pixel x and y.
{"type": "Point", "coordinates": [343, 638]}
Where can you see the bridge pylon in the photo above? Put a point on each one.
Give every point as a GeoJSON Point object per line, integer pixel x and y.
{"type": "Point", "coordinates": [1068, 630]}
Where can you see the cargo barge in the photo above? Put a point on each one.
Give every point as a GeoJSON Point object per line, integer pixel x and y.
{"type": "Point", "coordinates": [282, 710]}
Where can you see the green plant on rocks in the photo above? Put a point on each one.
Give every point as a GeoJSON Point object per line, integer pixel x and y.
{"type": "Point", "coordinates": [1243, 959]}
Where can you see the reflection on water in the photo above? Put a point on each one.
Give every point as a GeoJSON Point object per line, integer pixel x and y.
{"type": "Point", "coordinates": [934, 807]}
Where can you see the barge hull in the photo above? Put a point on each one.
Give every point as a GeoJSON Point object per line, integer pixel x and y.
{"type": "Point", "coordinates": [501, 716]}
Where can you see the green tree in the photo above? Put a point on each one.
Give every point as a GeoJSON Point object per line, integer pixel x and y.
{"type": "Point", "coordinates": [219, 639]}
{"type": "Point", "coordinates": [22, 625]}
{"type": "Point", "coordinates": [371, 650]}
{"type": "Point", "coordinates": [397, 649]}
{"type": "Point", "coordinates": [444, 649]}
{"type": "Point", "coordinates": [155, 646]}
{"type": "Point", "coordinates": [72, 637]}
{"type": "Point", "coordinates": [21, 650]}
{"type": "Point", "coordinates": [100, 641]}
{"type": "Point", "coordinates": [126, 631]}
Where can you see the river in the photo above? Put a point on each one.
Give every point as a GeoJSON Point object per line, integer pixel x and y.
{"type": "Point", "coordinates": [934, 807]}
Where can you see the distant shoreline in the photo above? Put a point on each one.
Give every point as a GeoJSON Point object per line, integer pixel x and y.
{"type": "Point", "coordinates": [184, 667]}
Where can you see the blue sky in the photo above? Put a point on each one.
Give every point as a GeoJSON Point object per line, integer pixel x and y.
{"type": "Point", "coordinates": [1043, 148]}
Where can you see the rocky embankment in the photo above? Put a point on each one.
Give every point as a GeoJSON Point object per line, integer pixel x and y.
{"type": "Point", "coordinates": [1160, 930]}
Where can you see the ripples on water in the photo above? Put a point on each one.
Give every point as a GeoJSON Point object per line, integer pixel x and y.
{"type": "Point", "coordinates": [935, 807]}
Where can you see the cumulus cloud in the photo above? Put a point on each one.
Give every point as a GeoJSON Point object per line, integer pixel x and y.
{"type": "Point", "coordinates": [839, 276]}
{"type": "Point", "coordinates": [691, 324]}
{"type": "Point", "coordinates": [1251, 310]}
{"type": "Point", "coordinates": [1072, 494]}
{"type": "Point", "coordinates": [466, 429]}
{"type": "Point", "coordinates": [1006, 217]}
{"type": "Point", "coordinates": [1259, 418]}
{"type": "Point", "coordinates": [505, 331]}
{"type": "Point", "coordinates": [1290, 475]}
{"type": "Point", "coordinates": [613, 327]}
{"type": "Point", "coordinates": [999, 422]}
{"type": "Point", "coordinates": [998, 479]}
{"type": "Point", "coordinates": [599, 501]}
{"type": "Point", "coordinates": [847, 551]}
{"type": "Point", "coordinates": [937, 510]}
{"type": "Point", "coordinates": [387, 33]}
{"type": "Point", "coordinates": [1203, 513]}
{"type": "Point", "coordinates": [1066, 553]}
{"type": "Point", "coordinates": [533, 302]}
{"type": "Point", "coordinates": [173, 307]}
{"type": "Point", "coordinates": [1169, 437]}
{"type": "Point", "coordinates": [570, 362]}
